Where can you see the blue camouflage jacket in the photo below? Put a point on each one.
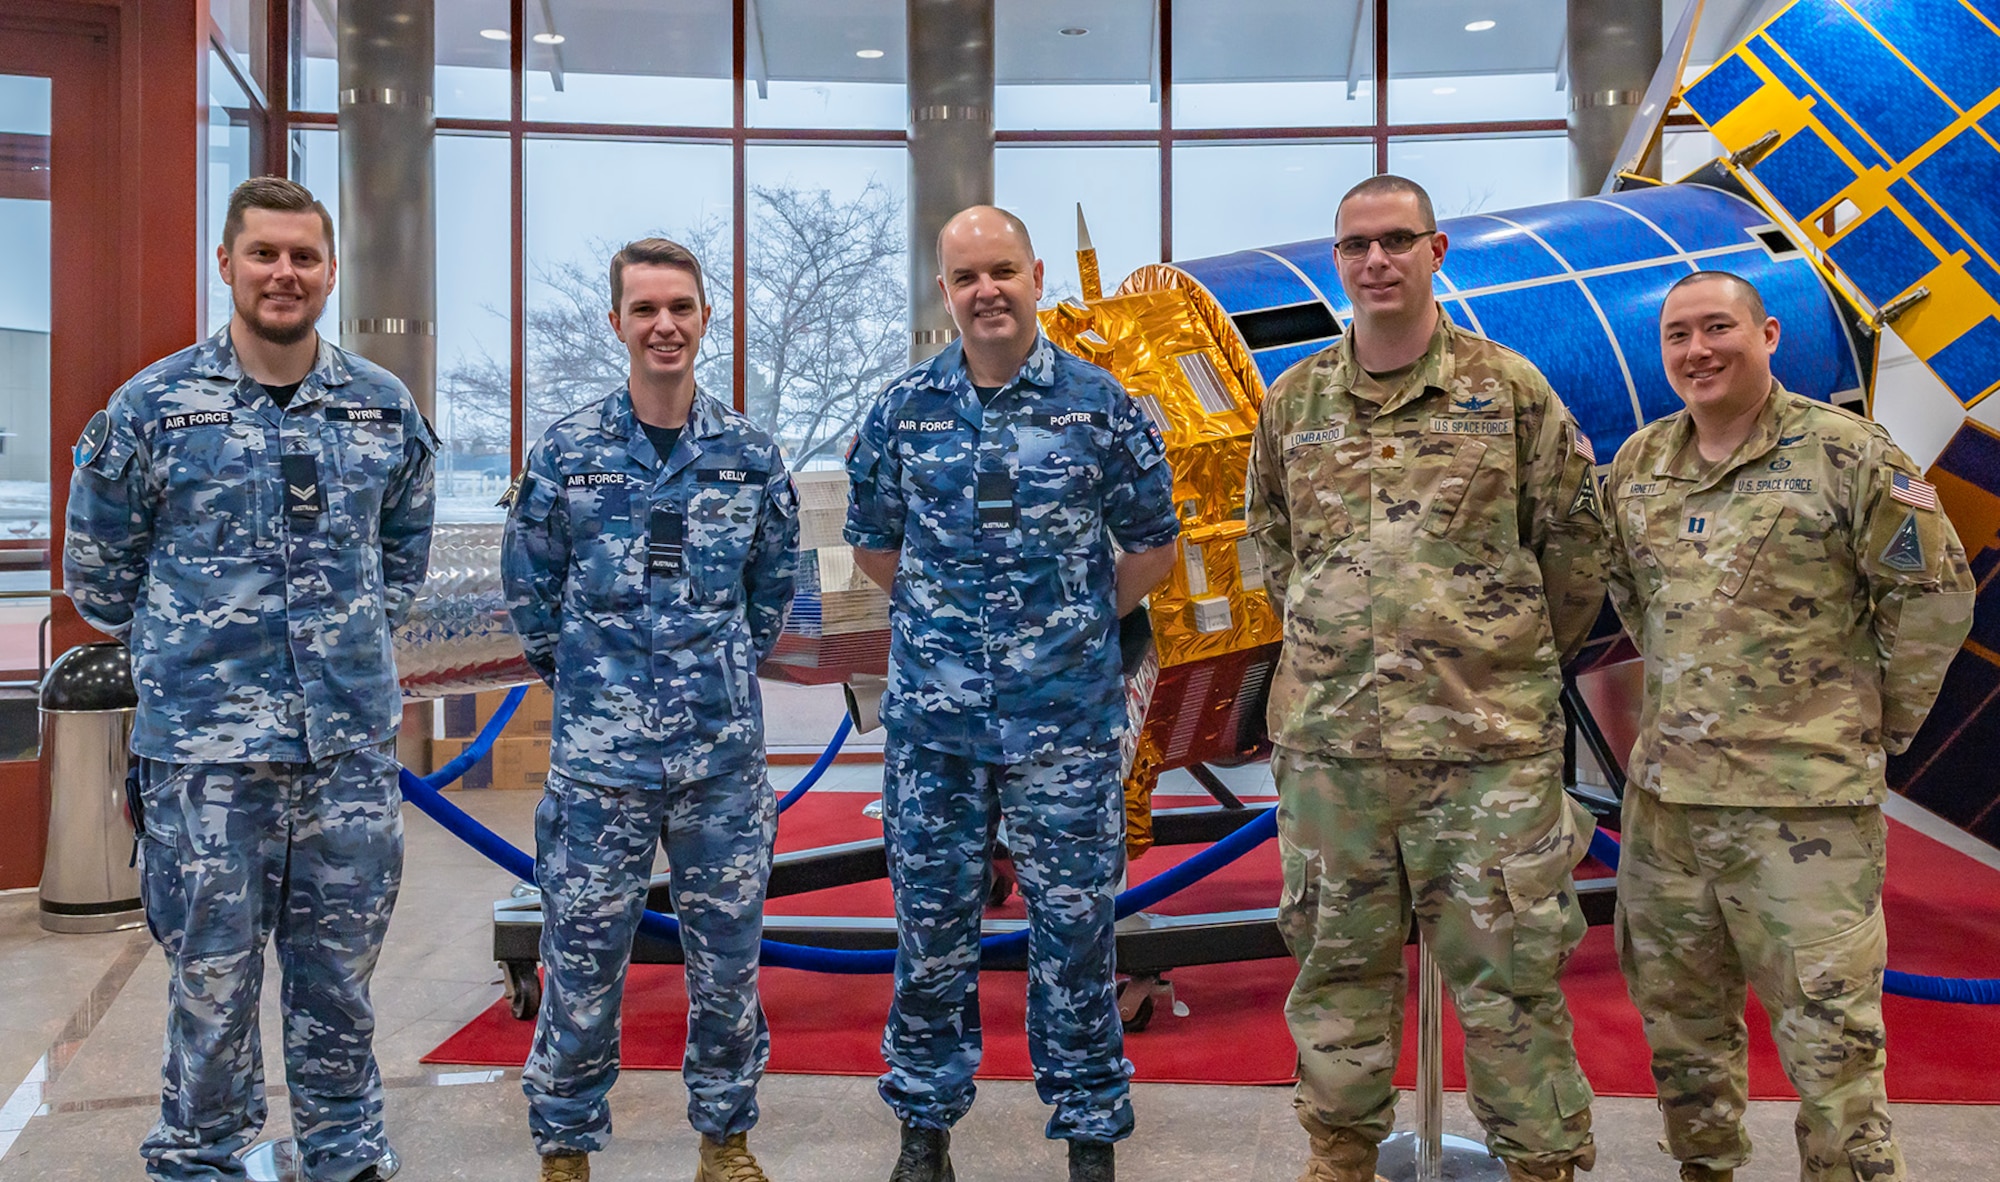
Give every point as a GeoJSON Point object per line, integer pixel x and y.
{"type": "Point", "coordinates": [255, 560]}
{"type": "Point", "coordinates": [646, 593]}
{"type": "Point", "coordinates": [1003, 642]}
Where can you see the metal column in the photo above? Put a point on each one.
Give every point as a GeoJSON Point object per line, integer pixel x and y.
{"type": "Point", "coordinates": [1614, 46]}
{"type": "Point", "coordinates": [388, 247]}
{"type": "Point", "coordinates": [951, 144]}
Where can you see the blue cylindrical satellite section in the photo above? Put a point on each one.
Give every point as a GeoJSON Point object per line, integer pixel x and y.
{"type": "Point", "coordinates": [1575, 286]}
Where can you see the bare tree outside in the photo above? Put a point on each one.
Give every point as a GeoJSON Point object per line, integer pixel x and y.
{"type": "Point", "coordinates": [827, 327]}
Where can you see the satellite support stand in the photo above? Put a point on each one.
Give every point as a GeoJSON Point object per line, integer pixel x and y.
{"type": "Point", "coordinates": [1427, 1155]}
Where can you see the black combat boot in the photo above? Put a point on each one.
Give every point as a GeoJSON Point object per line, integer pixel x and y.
{"type": "Point", "coordinates": [926, 1156]}
{"type": "Point", "coordinates": [1092, 1161]}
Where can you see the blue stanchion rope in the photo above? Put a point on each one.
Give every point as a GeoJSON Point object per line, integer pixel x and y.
{"type": "Point", "coordinates": [424, 792]}
{"type": "Point", "coordinates": [819, 766]}
{"type": "Point", "coordinates": [1964, 990]}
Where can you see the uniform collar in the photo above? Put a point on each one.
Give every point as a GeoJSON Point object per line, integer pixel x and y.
{"type": "Point", "coordinates": [1434, 370]}
{"type": "Point", "coordinates": [1778, 418]}
{"type": "Point", "coordinates": [705, 421]}
{"type": "Point", "coordinates": [216, 358]}
{"type": "Point", "coordinates": [947, 374]}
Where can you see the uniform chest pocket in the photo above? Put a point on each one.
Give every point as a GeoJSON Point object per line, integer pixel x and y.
{"type": "Point", "coordinates": [1742, 544]}
{"type": "Point", "coordinates": [357, 462]}
{"type": "Point", "coordinates": [220, 491]}
{"type": "Point", "coordinates": [722, 512]}
{"type": "Point", "coordinates": [937, 465]}
{"type": "Point", "coordinates": [1316, 480]}
{"type": "Point", "coordinates": [1056, 477]}
{"type": "Point", "coordinates": [1447, 516]}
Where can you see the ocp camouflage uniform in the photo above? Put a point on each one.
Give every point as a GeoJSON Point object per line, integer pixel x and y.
{"type": "Point", "coordinates": [1434, 547]}
{"type": "Point", "coordinates": [646, 593]}
{"type": "Point", "coordinates": [1005, 700]}
{"type": "Point", "coordinates": [259, 608]}
{"type": "Point", "coordinates": [1797, 605]}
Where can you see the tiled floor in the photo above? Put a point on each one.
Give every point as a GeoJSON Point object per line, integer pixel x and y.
{"type": "Point", "coordinates": [88, 1010]}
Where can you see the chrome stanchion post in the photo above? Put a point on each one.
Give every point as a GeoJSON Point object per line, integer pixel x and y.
{"type": "Point", "coordinates": [1426, 1154]}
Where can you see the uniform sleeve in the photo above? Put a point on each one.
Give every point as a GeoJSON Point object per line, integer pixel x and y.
{"type": "Point", "coordinates": [534, 560]}
{"type": "Point", "coordinates": [1620, 579]}
{"type": "Point", "coordinates": [108, 527]}
{"type": "Point", "coordinates": [1267, 507]}
{"type": "Point", "coordinates": [1920, 588]}
{"type": "Point", "coordinates": [1562, 521]}
{"type": "Point", "coordinates": [771, 573]}
{"type": "Point", "coordinates": [1138, 481]}
{"type": "Point", "coordinates": [408, 506]}
{"type": "Point", "coordinates": [875, 505]}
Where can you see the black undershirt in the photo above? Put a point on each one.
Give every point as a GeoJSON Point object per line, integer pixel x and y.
{"type": "Point", "coordinates": [663, 438]}
{"type": "Point", "coordinates": [282, 395]}
{"type": "Point", "coordinates": [987, 393]}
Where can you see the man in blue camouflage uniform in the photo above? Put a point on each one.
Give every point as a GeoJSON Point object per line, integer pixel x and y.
{"type": "Point", "coordinates": [649, 561]}
{"type": "Point", "coordinates": [253, 516]}
{"type": "Point", "coordinates": [989, 484]}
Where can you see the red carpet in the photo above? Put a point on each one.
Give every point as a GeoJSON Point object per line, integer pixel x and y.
{"type": "Point", "coordinates": [1944, 918]}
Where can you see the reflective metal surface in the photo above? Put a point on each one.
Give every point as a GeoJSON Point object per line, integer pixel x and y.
{"type": "Point", "coordinates": [458, 638]}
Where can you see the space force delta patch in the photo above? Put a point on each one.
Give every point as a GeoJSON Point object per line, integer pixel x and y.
{"type": "Point", "coordinates": [196, 418]}
{"type": "Point", "coordinates": [364, 414]}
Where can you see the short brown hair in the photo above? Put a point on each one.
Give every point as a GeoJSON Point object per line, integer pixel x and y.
{"type": "Point", "coordinates": [274, 193]}
{"type": "Point", "coordinates": [1391, 183]}
{"type": "Point", "coordinates": [1744, 289]}
{"type": "Point", "coordinates": [655, 252]}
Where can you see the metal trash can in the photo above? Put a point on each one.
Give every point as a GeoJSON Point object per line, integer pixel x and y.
{"type": "Point", "coordinates": [88, 881]}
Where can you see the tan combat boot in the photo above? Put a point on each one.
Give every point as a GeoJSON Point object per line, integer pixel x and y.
{"type": "Point", "coordinates": [728, 1161]}
{"type": "Point", "coordinates": [1342, 1155]}
{"type": "Point", "coordinates": [1694, 1173]}
{"type": "Point", "coordinates": [1548, 1171]}
{"type": "Point", "coordinates": [566, 1167]}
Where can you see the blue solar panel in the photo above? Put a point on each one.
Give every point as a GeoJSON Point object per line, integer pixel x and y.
{"type": "Point", "coordinates": [1850, 137]}
{"type": "Point", "coordinates": [1554, 326]}
{"type": "Point", "coordinates": [1926, 215]}
{"type": "Point", "coordinates": [1271, 363]}
{"type": "Point", "coordinates": [1971, 363]}
{"type": "Point", "coordinates": [1814, 356]}
{"type": "Point", "coordinates": [1639, 336]}
{"type": "Point", "coordinates": [1486, 251]}
{"type": "Point", "coordinates": [1945, 42]}
{"type": "Point", "coordinates": [1694, 217]}
{"type": "Point", "coordinates": [1881, 95]}
{"type": "Point", "coordinates": [1248, 280]}
{"type": "Point", "coordinates": [1991, 8]}
{"type": "Point", "coordinates": [1723, 89]}
{"type": "Point", "coordinates": [1882, 257]}
{"type": "Point", "coordinates": [1803, 173]}
{"type": "Point", "coordinates": [1588, 243]}
{"type": "Point", "coordinates": [1315, 261]}
{"type": "Point", "coordinates": [1963, 177]}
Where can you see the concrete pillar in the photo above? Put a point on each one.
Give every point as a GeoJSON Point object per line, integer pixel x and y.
{"type": "Point", "coordinates": [388, 215]}
{"type": "Point", "coordinates": [951, 144]}
{"type": "Point", "coordinates": [1614, 47]}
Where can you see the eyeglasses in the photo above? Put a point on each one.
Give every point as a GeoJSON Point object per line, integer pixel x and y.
{"type": "Point", "coordinates": [1394, 242]}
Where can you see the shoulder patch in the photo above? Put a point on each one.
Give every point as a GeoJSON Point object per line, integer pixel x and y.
{"type": "Point", "coordinates": [1585, 500]}
{"type": "Point", "coordinates": [91, 442]}
{"type": "Point", "coordinates": [1905, 551]}
{"type": "Point", "coordinates": [1911, 491]}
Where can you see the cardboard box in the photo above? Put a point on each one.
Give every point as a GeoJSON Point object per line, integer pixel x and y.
{"type": "Point", "coordinates": [520, 764]}
{"type": "Point", "coordinates": [461, 716]}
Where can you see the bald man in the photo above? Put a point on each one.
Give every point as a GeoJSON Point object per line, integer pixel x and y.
{"type": "Point", "coordinates": [1014, 502]}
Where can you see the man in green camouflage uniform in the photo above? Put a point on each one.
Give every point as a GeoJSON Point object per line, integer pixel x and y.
{"type": "Point", "coordinates": [1427, 515]}
{"type": "Point", "coordinates": [1797, 595]}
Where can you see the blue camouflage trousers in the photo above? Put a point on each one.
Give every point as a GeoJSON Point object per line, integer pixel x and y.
{"type": "Point", "coordinates": [593, 859]}
{"type": "Point", "coordinates": [1065, 816]}
{"type": "Point", "coordinates": [234, 854]}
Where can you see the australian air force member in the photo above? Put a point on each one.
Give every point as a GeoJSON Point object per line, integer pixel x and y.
{"type": "Point", "coordinates": [1426, 508]}
{"type": "Point", "coordinates": [989, 485]}
{"type": "Point", "coordinates": [649, 562]}
{"type": "Point", "coordinates": [1797, 595]}
{"type": "Point", "coordinates": [252, 516]}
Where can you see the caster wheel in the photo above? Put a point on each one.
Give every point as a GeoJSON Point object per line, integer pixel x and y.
{"type": "Point", "coordinates": [1135, 1002]}
{"type": "Point", "coordinates": [524, 989]}
{"type": "Point", "coordinates": [1141, 1018]}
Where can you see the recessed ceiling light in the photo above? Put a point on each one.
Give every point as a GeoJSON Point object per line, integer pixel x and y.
{"type": "Point", "coordinates": [1073, 31]}
{"type": "Point", "coordinates": [1479, 26]}
{"type": "Point", "coordinates": [495, 34]}
{"type": "Point", "coordinates": [550, 38]}
{"type": "Point", "coordinates": [1444, 90]}
{"type": "Point", "coordinates": [870, 54]}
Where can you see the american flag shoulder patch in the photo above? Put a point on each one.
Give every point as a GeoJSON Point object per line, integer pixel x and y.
{"type": "Point", "coordinates": [1911, 491]}
{"type": "Point", "coordinates": [1583, 448]}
